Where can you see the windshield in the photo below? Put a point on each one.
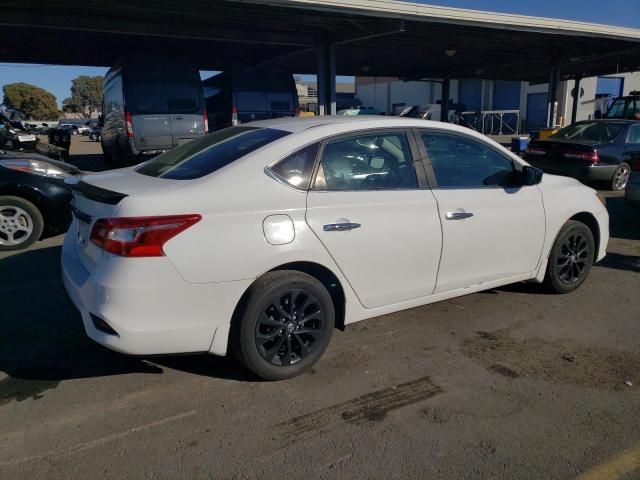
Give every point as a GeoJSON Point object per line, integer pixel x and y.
{"type": "Point", "coordinates": [591, 131]}
{"type": "Point", "coordinates": [209, 153]}
{"type": "Point", "coordinates": [156, 92]}
{"type": "Point", "coordinates": [625, 108]}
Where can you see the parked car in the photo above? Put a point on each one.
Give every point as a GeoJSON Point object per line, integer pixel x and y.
{"type": "Point", "coordinates": [359, 111]}
{"type": "Point", "coordinates": [259, 239]}
{"type": "Point", "coordinates": [627, 107]}
{"type": "Point", "coordinates": [34, 200]}
{"type": "Point", "coordinates": [632, 192]}
{"type": "Point", "coordinates": [240, 96]}
{"type": "Point", "coordinates": [15, 136]}
{"type": "Point", "coordinates": [591, 150]}
{"type": "Point", "coordinates": [149, 107]}
{"type": "Point", "coordinates": [83, 129]}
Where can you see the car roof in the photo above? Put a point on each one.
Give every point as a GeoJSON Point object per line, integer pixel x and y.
{"type": "Point", "coordinates": [354, 122]}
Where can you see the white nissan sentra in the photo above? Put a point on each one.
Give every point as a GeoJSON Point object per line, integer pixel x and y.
{"type": "Point", "coordinates": [260, 239]}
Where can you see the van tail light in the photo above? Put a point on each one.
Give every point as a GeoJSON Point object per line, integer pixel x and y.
{"type": "Point", "coordinates": [234, 116]}
{"type": "Point", "coordinates": [139, 236]}
{"type": "Point", "coordinates": [591, 156]}
{"type": "Point", "coordinates": [128, 123]}
{"type": "Point", "coordinates": [206, 122]}
{"type": "Point", "coordinates": [297, 111]}
{"type": "Point", "coordinates": [635, 165]}
{"type": "Point", "coordinates": [533, 150]}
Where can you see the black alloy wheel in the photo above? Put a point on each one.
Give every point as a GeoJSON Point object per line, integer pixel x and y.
{"type": "Point", "coordinates": [571, 257]}
{"type": "Point", "coordinates": [282, 325]}
{"type": "Point", "coordinates": [289, 328]}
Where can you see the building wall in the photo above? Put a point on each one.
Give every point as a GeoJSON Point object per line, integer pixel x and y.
{"type": "Point", "coordinates": [382, 92]}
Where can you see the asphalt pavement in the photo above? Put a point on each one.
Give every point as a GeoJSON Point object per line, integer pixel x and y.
{"type": "Point", "coordinates": [512, 383]}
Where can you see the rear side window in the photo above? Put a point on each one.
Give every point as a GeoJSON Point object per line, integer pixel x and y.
{"type": "Point", "coordinates": [209, 153]}
{"type": "Point", "coordinates": [297, 168]}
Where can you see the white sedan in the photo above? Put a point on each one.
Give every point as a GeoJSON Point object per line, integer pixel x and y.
{"type": "Point", "coordinates": [260, 239]}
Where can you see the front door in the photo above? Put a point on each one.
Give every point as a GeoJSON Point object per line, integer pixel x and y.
{"type": "Point", "coordinates": [375, 219]}
{"type": "Point", "coordinates": [491, 231]}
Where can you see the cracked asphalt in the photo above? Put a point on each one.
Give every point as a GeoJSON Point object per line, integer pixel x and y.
{"type": "Point", "coordinates": [511, 383]}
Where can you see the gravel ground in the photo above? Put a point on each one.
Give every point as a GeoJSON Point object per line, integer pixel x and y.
{"type": "Point", "coordinates": [507, 384]}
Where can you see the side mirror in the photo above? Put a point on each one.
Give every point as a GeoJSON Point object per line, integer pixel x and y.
{"type": "Point", "coordinates": [531, 175]}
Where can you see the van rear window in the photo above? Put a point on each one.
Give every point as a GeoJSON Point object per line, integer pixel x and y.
{"type": "Point", "coordinates": [209, 153]}
{"type": "Point", "coordinates": [155, 92]}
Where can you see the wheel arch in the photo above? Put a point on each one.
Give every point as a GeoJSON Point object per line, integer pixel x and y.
{"type": "Point", "coordinates": [590, 221]}
{"type": "Point", "coordinates": [321, 273]}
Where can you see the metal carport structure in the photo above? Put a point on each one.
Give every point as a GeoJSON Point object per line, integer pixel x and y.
{"type": "Point", "coordinates": [327, 37]}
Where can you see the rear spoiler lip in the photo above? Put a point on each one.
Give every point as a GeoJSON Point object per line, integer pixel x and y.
{"type": "Point", "coordinates": [98, 194]}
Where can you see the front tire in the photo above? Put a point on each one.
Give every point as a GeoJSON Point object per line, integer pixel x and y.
{"type": "Point", "coordinates": [283, 325]}
{"type": "Point", "coordinates": [620, 177]}
{"type": "Point", "coordinates": [21, 223]}
{"type": "Point", "coordinates": [571, 258]}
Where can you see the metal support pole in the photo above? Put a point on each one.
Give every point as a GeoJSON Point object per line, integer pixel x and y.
{"type": "Point", "coordinates": [444, 107]}
{"type": "Point", "coordinates": [554, 79]}
{"type": "Point", "coordinates": [326, 61]}
{"type": "Point", "coordinates": [576, 97]}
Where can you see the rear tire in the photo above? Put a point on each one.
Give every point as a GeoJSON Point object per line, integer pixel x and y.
{"type": "Point", "coordinates": [620, 177]}
{"type": "Point", "coordinates": [21, 223]}
{"type": "Point", "coordinates": [571, 258]}
{"type": "Point", "coordinates": [283, 325]}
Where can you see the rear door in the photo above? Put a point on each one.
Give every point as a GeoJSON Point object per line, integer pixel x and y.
{"type": "Point", "coordinates": [370, 208]}
{"type": "Point", "coordinates": [489, 231]}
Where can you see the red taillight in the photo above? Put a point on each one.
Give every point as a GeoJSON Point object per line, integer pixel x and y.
{"type": "Point", "coordinates": [297, 111]}
{"type": "Point", "coordinates": [139, 236]}
{"type": "Point", "coordinates": [533, 150]}
{"type": "Point", "coordinates": [234, 115]}
{"type": "Point", "coordinates": [635, 166]}
{"type": "Point", "coordinates": [128, 123]}
{"type": "Point", "coordinates": [591, 156]}
{"type": "Point", "coordinates": [206, 122]}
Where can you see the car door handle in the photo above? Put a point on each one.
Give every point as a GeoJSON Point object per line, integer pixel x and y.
{"type": "Point", "coordinates": [178, 117]}
{"type": "Point", "coordinates": [458, 215]}
{"type": "Point", "coordinates": [340, 227]}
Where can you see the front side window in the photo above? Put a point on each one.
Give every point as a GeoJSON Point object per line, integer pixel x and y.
{"type": "Point", "coordinates": [367, 162]}
{"type": "Point", "coordinates": [463, 162]}
{"type": "Point", "coordinates": [297, 168]}
{"type": "Point", "coordinates": [207, 154]}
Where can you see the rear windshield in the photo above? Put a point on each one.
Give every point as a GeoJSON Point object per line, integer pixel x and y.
{"type": "Point", "coordinates": [259, 81]}
{"type": "Point", "coordinates": [625, 108]}
{"type": "Point", "coordinates": [590, 131]}
{"type": "Point", "coordinates": [166, 92]}
{"type": "Point", "coordinates": [209, 153]}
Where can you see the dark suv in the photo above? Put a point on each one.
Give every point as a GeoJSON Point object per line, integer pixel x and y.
{"type": "Point", "coordinates": [627, 107]}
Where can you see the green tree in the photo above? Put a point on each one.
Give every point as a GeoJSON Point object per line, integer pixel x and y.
{"type": "Point", "coordinates": [86, 95]}
{"type": "Point", "coordinates": [35, 102]}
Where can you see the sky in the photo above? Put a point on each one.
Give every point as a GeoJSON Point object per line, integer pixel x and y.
{"type": "Point", "coordinates": [624, 13]}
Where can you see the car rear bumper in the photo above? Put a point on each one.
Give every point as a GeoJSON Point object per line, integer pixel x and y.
{"type": "Point", "coordinates": [584, 173]}
{"type": "Point", "coordinates": [149, 306]}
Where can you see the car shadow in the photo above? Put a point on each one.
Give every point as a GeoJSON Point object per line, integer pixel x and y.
{"type": "Point", "coordinates": [42, 340]}
{"type": "Point", "coordinates": [624, 219]}
{"type": "Point", "coordinates": [617, 261]}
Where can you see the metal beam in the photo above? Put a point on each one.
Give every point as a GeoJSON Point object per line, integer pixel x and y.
{"type": "Point", "coordinates": [554, 79]}
{"type": "Point", "coordinates": [576, 98]}
{"type": "Point", "coordinates": [444, 107]}
{"type": "Point", "coordinates": [326, 65]}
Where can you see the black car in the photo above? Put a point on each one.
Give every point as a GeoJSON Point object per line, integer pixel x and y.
{"type": "Point", "coordinates": [591, 151]}
{"type": "Point", "coordinates": [34, 200]}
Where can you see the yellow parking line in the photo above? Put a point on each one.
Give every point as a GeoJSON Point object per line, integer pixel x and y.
{"type": "Point", "coordinates": [620, 465]}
